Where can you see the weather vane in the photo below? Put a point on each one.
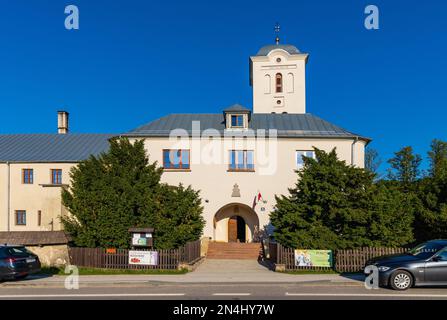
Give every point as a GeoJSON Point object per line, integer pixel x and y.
{"type": "Point", "coordinates": [277, 29]}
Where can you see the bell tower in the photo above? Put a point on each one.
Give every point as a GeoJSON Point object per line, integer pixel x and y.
{"type": "Point", "coordinates": [278, 78]}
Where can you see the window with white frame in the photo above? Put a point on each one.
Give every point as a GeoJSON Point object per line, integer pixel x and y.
{"type": "Point", "coordinates": [303, 153]}
{"type": "Point", "coordinates": [241, 160]}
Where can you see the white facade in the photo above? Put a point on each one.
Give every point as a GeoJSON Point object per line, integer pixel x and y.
{"type": "Point", "coordinates": [269, 95]}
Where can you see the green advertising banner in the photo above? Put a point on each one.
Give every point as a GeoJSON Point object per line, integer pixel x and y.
{"type": "Point", "coordinates": [313, 258]}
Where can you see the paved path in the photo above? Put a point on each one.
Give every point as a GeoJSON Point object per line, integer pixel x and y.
{"type": "Point", "coordinates": [250, 271]}
{"type": "Point", "coordinates": [210, 271]}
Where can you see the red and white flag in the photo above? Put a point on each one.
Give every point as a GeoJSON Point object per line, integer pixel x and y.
{"type": "Point", "coordinates": [257, 199]}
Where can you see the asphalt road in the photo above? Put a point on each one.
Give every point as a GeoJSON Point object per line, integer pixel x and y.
{"type": "Point", "coordinates": [219, 291]}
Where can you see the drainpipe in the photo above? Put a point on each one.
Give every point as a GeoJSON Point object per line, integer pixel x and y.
{"type": "Point", "coordinates": [8, 228]}
{"type": "Point", "coordinates": [353, 150]}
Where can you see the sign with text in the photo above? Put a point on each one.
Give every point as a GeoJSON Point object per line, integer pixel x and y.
{"type": "Point", "coordinates": [313, 258]}
{"type": "Point", "coordinates": [143, 258]}
{"type": "Point", "coordinates": [142, 239]}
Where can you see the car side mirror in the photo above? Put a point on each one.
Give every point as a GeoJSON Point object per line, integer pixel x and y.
{"type": "Point", "coordinates": [436, 259]}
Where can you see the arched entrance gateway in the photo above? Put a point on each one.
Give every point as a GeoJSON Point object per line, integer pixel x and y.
{"type": "Point", "coordinates": [236, 222]}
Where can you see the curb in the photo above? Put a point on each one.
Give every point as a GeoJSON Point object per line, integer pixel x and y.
{"type": "Point", "coordinates": [142, 284]}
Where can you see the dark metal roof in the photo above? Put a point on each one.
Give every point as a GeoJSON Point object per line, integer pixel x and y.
{"type": "Point", "coordinates": [236, 108]}
{"type": "Point", "coordinates": [34, 238]}
{"type": "Point", "coordinates": [287, 125]}
{"type": "Point", "coordinates": [51, 147]}
{"type": "Point", "coordinates": [264, 51]}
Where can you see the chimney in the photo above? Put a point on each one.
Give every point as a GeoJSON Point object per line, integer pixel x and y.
{"type": "Point", "coordinates": [62, 122]}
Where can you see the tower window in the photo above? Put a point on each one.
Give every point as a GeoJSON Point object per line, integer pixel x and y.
{"type": "Point", "coordinates": [278, 82]}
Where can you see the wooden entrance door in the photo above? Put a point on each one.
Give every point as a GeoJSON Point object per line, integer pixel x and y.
{"type": "Point", "coordinates": [232, 229]}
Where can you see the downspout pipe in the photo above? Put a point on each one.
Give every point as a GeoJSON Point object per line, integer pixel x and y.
{"type": "Point", "coordinates": [356, 139]}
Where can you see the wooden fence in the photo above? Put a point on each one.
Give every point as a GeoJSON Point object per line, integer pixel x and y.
{"type": "Point", "coordinates": [169, 259]}
{"type": "Point", "coordinates": [352, 260]}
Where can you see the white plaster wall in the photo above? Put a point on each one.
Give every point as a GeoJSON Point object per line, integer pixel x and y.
{"type": "Point", "coordinates": [216, 183]}
{"type": "Point", "coordinates": [3, 197]}
{"type": "Point", "coordinates": [35, 197]}
{"type": "Point", "coordinates": [293, 96]}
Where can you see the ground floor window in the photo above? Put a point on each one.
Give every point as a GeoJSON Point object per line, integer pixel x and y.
{"type": "Point", "coordinates": [299, 157]}
{"type": "Point", "coordinates": [21, 217]}
{"type": "Point", "coordinates": [241, 160]}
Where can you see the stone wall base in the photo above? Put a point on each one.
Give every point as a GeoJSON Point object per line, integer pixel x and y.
{"type": "Point", "coordinates": [52, 255]}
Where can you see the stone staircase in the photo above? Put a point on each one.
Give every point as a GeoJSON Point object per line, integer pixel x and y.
{"type": "Point", "coordinates": [234, 250]}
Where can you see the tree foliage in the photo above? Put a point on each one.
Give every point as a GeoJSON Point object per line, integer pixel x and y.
{"type": "Point", "coordinates": [335, 205]}
{"type": "Point", "coordinates": [405, 167]}
{"type": "Point", "coordinates": [431, 221]}
{"type": "Point", "coordinates": [120, 189]}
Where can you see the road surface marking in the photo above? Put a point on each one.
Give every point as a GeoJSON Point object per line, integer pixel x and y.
{"type": "Point", "coordinates": [366, 295]}
{"type": "Point", "coordinates": [92, 295]}
{"type": "Point", "coordinates": [231, 294]}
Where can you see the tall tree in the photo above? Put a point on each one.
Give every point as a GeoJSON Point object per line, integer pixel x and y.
{"type": "Point", "coordinates": [405, 167]}
{"type": "Point", "coordinates": [372, 160]}
{"type": "Point", "coordinates": [120, 189]}
{"type": "Point", "coordinates": [438, 159]}
{"type": "Point", "coordinates": [431, 221]}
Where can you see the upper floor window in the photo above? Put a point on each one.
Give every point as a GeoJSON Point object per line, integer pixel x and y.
{"type": "Point", "coordinates": [27, 176]}
{"type": "Point", "coordinates": [300, 155]}
{"type": "Point", "coordinates": [237, 121]}
{"type": "Point", "coordinates": [278, 82]}
{"type": "Point", "coordinates": [56, 176]}
{"type": "Point", "coordinates": [242, 160]}
{"type": "Point", "coordinates": [21, 217]}
{"type": "Point", "coordinates": [176, 159]}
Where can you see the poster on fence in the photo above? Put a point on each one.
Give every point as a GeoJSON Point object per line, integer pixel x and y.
{"type": "Point", "coordinates": [143, 258]}
{"type": "Point", "coordinates": [313, 258]}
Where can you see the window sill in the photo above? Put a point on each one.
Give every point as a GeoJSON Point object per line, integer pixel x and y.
{"type": "Point", "coordinates": [241, 170]}
{"type": "Point", "coordinates": [176, 170]}
{"type": "Point", "coordinates": [50, 185]}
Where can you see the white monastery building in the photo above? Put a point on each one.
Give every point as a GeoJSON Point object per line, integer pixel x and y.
{"type": "Point", "coordinates": [239, 159]}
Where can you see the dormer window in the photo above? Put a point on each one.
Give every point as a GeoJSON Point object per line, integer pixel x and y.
{"type": "Point", "coordinates": [237, 121]}
{"type": "Point", "coordinates": [236, 117]}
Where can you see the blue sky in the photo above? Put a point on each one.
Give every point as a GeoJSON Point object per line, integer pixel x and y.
{"type": "Point", "coordinates": [134, 61]}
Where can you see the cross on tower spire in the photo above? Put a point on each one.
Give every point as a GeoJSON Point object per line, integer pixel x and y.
{"type": "Point", "coordinates": [277, 30]}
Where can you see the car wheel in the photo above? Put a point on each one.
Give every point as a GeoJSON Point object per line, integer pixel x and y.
{"type": "Point", "coordinates": [401, 280]}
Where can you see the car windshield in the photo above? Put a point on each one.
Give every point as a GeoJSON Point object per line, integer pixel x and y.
{"type": "Point", "coordinates": [426, 249]}
{"type": "Point", "coordinates": [18, 252]}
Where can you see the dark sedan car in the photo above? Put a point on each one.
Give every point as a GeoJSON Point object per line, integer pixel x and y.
{"type": "Point", "coordinates": [425, 265]}
{"type": "Point", "coordinates": [16, 262]}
